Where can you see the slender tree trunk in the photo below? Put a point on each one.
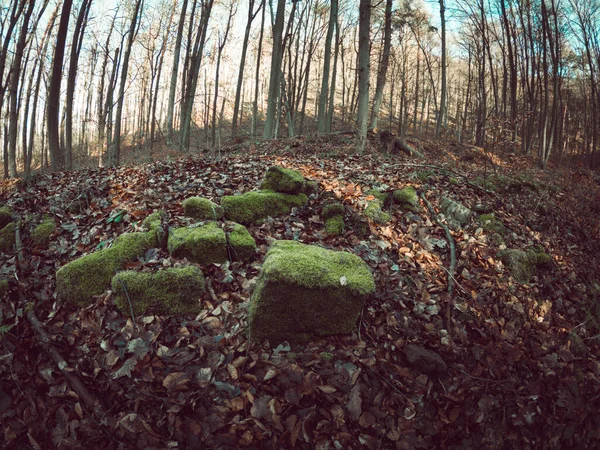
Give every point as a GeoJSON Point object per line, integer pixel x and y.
{"type": "Point", "coordinates": [442, 111]}
{"type": "Point", "coordinates": [52, 109]}
{"type": "Point", "coordinates": [363, 73]}
{"type": "Point", "coordinates": [257, 75]}
{"type": "Point", "coordinates": [383, 66]}
{"type": "Point", "coordinates": [174, 70]}
{"type": "Point", "coordinates": [78, 34]}
{"type": "Point", "coordinates": [274, 80]}
{"type": "Point", "coordinates": [324, 95]}
{"type": "Point", "coordinates": [115, 154]}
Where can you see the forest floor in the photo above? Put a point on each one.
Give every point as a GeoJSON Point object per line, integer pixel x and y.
{"type": "Point", "coordinates": [523, 359]}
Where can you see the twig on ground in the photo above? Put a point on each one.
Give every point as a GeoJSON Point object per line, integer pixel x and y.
{"type": "Point", "coordinates": [130, 304]}
{"type": "Point", "coordinates": [452, 266]}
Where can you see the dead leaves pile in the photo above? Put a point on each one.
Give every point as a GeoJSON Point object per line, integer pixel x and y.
{"type": "Point", "coordinates": [523, 360]}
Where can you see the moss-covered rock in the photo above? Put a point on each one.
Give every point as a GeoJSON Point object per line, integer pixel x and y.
{"type": "Point", "coordinates": [334, 225]}
{"type": "Point", "coordinates": [202, 209]}
{"type": "Point", "coordinates": [491, 223]}
{"type": "Point", "coordinates": [333, 209]}
{"type": "Point", "coordinates": [283, 180]}
{"type": "Point", "coordinates": [154, 220]}
{"type": "Point", "coordinates": [310, 188]}
{"type": "Point", "coordinates": [381, 196]}
{"type": "Point", "coordinates": [242, 245]}
{"type": "Point", "coordinates": [456, 214]}
{"type": "Point", "coordinates": [253, 206]}
{"type": "Point", "coordinates": [80, 280]}
{"type": "Point", "coordinates": [374, 211]}
{"type": "Point", "coordinates": [5, 216]}
{"type": "Point", "coordinates": [168, 291]}
{"type": "Point", "coordinates": [3, 287]}
{"type": "Point", "coordinates": [523, 263]}
{"type": "Point", "coordinates": [407, 198]}
{"type": "Point", "coordinates": [7, 238]}
{"type": "Point", "coordinates": [42, 232]}
{"type": "Point", "coordinates": [205, 244]}
{"type": "Point", "coordinates": [304, 291]}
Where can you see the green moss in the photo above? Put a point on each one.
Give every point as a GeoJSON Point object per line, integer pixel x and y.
{"type": "Point", "coordinates": [252, 206]}
{"type": "Point", "coordinates": [381, 196]}
{"type": "Point", "coordinates": [305, 291]}
{"type": "Point", "coordinates": [407, 198]}
{"type": "Point", "coordinates": [523, 263]}
{"type": "Point", "coordinates": [80, 280]}
{"type": "Point", "coordinates": [205, 244]}
{"type": "Point", "coordinates": [310, 188]}
{"type": "Point", "coordinates": [41, 233]}
{"type": "Point", "coordinates": [283, 180]}
{"type": "Point", "coordinates": [7, 238]}
{"type": "Point", "coordinates": [154, 220]}
{"type": "Point", "coordinates": [334, 226]}
{"type": "Point", "coordinates": [333, 209]}
{"type": "Point", "coordinates": [453, 180]}
{"type": "Point", "coordinates": [202, 209]}
{"type": "Point", "coordinates": [5, 216]}
{"type": "Point", "coordinates": [168, 291]}
{"type": "Point", "coordinates": [491, 223]}
{"type": "Point", "coordinates": [242, 246]}
{"type": "Point", "coordinates": [374, 212]}
{"type": "Point", "coordinates": [3, 287]}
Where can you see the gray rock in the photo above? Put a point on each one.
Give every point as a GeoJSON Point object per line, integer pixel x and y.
{"type": "Point", "coordinates": [456, 214]}
{"type": "Point", "coordinates": [424, 360]}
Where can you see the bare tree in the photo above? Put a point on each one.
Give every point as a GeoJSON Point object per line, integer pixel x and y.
{"type": "Point", "coordinates": [363, 73]}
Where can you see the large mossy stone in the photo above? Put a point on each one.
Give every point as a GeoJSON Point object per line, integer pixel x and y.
{"type": "Point", "coordinates": [406, 198]}
{"type": "Point", "coordinates": [305, 291]}
{"type": "Point", "coordinates": [205, 244]}
{"type": "Point", "coordinates": [492, 224]}
{"type": "Point", "coordinates": [310, 188]}
{"type": "Point", "coordinates": [242, 245]}
{"type": "Point", "coordinates": [42, 232]}
{"type": "Point", "coordinates": [256, 205]}
{"type": "Point", "coordinates": [5, 216]}
{"type": "Point", "coordinates": [523, 264]}
{"type": "Point", "coordinates": [375, 212]}
{"type": "Point", "coordinates": [80, 280]}
{"type": "Point", "coordinates": [334, 225]}
{"type": "Point", "coordinates": [202, 209]}
{"type": "Point", "coordinates": [456, 214]}
{"type": "Point", "coordinates": [287, 181]}
{"type": "Point", "coordinates": [167, 291]}
{"type": "Point", "coordinates": [7, 238]}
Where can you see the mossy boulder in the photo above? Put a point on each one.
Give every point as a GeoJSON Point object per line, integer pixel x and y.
{"type": "Point", "coordinates": [7, 238]}
{"type": "Point", "coordinates": [334, 225]}
{"type": "Point", "coordinates": [204, 244]}
{"type": "Point", "coordinates": [167, 291]}
{"type": "Point", "coordinates": [381, 196]}
{"type": "Point", "coordinates": [256, 205]}
{"type": "Point", "coordinates": [5, 216]}
{"type": "Point", "coordinates": [80, 280]}
{"type": "Point", "coordinates": [154, 220]}
{"type": "Point", "coordinates": [287, 181]}
{"type": "Point", "coordinates": [242, 245]}
{"type": "Point", "coordinates": [524, 263]}
{"type": "Point", "coordinates": [375, 212]}
{"type": "Point", "coordinates": [456, 214]}
{"type": "Point", "coordinates": [310, 188]}
{"type": "Point", "coordinates": [333, 209]}
{"type": "Point", "coordinates": [42, 232]}
{"type": "Point", "coordinates": [407, 198]}
{"type": "Point", "coordinates": [492, 224]}
{"type": "Point", "coordinates": [202, 209]}
{"type": "Point", "coordinates": [305, 291]}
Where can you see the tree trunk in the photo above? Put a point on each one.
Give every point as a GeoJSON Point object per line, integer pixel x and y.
{"type": "Point", "coordinates": [442, 111]}
{"type": "Point", "coordinates": [115, 153]}
{"type": "Point", "coordinates": [363, 73]}
{"type": "Point", "coordinates": [174, 71]}
{"type": "Point", "coordinates": [322, 109]}
{"type": "Point", "coordinates": [383, 66]}
{"type": "Point", "coordinates": [53, 102]}
{"type": "Point", "coordinates": [80, 26]}
{"type": "Point", "coordinates": [274, 79]}
{"type": "Point", "coordinates": [257, 75]}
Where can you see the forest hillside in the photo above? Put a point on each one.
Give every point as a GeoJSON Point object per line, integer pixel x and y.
{"type": "Point", "coordinates": [457, 347]}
